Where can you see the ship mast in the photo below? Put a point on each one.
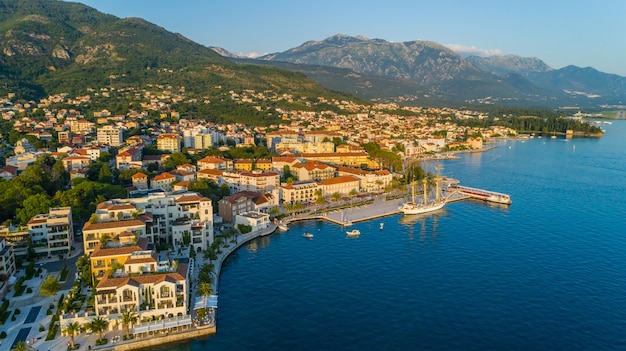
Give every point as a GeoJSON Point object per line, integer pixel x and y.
{"type": "Point", "coordinates": [425, 194]}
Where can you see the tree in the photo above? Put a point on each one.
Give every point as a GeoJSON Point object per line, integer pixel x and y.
{"type": "Point", "coordinates": [33, 205]}
{"type": "Point", "coordinates": [105, 176]}
{"type": "Point", "coordinates": [50, 286]}
{"type": "Point", "coordinates": [335, 196]}
{"type": "Point", "coordinates": [98, 325]}
{"type": "Point", "coordinates": [128, 319]}
{"type": "Point", "coordinates": [175, 159]}
{"type": "Point", "coordinates": [206, 273]}
{"type": "Point", "coordinates": [72, 329]}
{"type": "Point", "coordinates": [205, 290]}
{"type": "Point", "coordinates": [20, 346]}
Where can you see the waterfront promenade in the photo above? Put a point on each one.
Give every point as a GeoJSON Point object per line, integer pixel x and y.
{"type": "Point", "coordinates": [353, 211]}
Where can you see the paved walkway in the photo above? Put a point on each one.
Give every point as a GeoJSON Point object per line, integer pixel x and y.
{"type": "Point", "coordinates": [33, 307]}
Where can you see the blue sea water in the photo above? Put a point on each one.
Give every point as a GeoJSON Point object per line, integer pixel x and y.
{"type": "Point", "coordinates": [546, 273]}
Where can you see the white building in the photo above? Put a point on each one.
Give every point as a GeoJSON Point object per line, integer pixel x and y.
{"type": "Point", "coordinates": [110, 135]}
{"type": "Point", "coordinates": [52, 233]}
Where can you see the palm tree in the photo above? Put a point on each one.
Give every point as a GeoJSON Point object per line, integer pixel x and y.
{"type": "Point", "coordinates": [207, 271]}
{"type": "Point", "coordinates": [205, 290]}
{"type": "Point", "coordinates": [128, 319]}
{"type": "Point", "coordinates": [72, 329]}
{"type": "Point", "coordinates": [99, 325]}
{"type": "Point", "coordinates": [20, 346]}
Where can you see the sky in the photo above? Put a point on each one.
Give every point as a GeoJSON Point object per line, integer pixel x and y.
{"type": "Point", "coordinates": [560, 32]}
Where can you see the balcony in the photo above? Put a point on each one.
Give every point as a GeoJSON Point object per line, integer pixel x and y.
{"type": "Point", "coordinates": [165, 305]}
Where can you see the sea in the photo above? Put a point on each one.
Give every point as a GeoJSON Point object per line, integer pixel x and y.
{"type": "Point", "coordinates": [547, 272]}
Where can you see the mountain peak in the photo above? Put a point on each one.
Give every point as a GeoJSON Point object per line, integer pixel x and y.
{"type": "Point", "coordinates": [504, 64]}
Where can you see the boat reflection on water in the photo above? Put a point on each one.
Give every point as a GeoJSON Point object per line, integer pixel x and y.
{"type": "Point", "coordinates": [503, 207]}
{"type": "Point", "coordinates": [428, 223]}
{"type": "Point", "coordinates": [412, 219]}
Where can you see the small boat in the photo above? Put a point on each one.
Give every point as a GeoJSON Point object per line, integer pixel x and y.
{"type": "Point", "coordinates": [307, 235]}
{"type": "Point", "coordinates": [354, 232]}
{"type": "Point", "coordinates": [382, 225]}
{"type": "Point", "coordinates": [283, 228]}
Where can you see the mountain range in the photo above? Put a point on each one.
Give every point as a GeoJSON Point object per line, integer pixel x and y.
{"type": "Point", "coordinates": [438, 72]}
{"type": "Point", "coordinates": [50, 46]}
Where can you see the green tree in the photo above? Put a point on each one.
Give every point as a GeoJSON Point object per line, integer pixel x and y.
{"type": "Point", "coordinates": [207, 272]}
{"type": "Point", "coordinates": [50, 286]}
{"type": "Point", "coordinates": [71, 329]}
{"type": "Point", "coordinates": [33, 205]}
{"type": "Point", "coordinates": [128, 319]}
{"type": "Point", "coordinates": [98, 325]}
{"type": "Point", "coordinates": [336, 196]}
{"type": "Point", "coordinates": [20, 346]}
{"type": "Point", "coordinates": [105, 176]}
{"type": "Point", "coordinates": [175, 159]}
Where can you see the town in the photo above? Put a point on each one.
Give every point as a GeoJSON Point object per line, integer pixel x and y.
{"type": "Point", "coordinates": [143, 260]}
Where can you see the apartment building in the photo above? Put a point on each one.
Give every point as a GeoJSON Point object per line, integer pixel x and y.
{"type": "Point", "coordinates": [168, 142]}
{"type": "Point", "coordinates": [110, 135]}
{"type": "Point", "coordinates": [241, 202]}
{"type": "Point", "coordinates": [342, 185]}
{"type": "Point", "coordinates": [178, 219]}
{"type": "Point", "coordinates": [7, 258]}
{"type": "Point", "coordinates": [213, 162]}
{"type": "Point", "coordinates": [258, 181]}
{"type": "Point", "coordinates": [52, 233]}
{"type": "Point", "coordinates": [300, 191]}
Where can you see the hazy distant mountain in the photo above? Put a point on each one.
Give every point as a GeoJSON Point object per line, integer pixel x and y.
{"type": "Point", "coordinates": [577, 81]}
{"type": "Point", "coordinates": [442, 74]}
{"type": "Point", "coordinates": [422, 61]}
{"type": "Point", "coordinates": [509, 64]}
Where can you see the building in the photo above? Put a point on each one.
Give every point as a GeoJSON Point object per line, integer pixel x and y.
{"type": "Point", "coordinates": [212, 162]}
{"type": "Point", "coordinates": [129, 158]}
{"type": "Point", "coordinates": [110, 135]}
{"type": "Point", "coordinates": [110, 256]}
{"type": "Point", "coordinates": [353, 159]}
{"type": "Point", "coordinates": [258, 181]}
{"type": "Point", "coordinates": [242, 202]}
{"type": "Point", "coordinates": [371, 181]}
{"type": "Point", "coordinates": [342, 185]}
{"type": "Point", "coordinates": [52, 233]}
{"type": "Point", "coordinates": [159, 295]}
{"type": "Point", "coordinates": [179, 219]}
{"type": "Point", "coordinates": [168, 142]}
{"type": "Point", "coordinates": [300, 191]}
{"type": "Point", "coordinates": [163, 181]}
{"type": "Point", "coordinates": [7, 258]}
{"type": "Point", "coordinates": [313, 171]}
{"type": "Point", "coordinates": [74, 163]}
{"type": "Point", "coordinates": [256, 220]}
{"type": "Point", "coordinates": [94, 232]}
{"type": "Point", "coordinates": [140, 180]}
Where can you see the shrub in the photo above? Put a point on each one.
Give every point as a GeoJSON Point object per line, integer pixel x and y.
{"type": "Point", "coordinates": [3, 335]}
{"type": "Point", "coordinates": [29, 290]}
{"type": "Point", "coordinates": [17, 311]}
{"type": "Point", "coordinates": [41, 328]}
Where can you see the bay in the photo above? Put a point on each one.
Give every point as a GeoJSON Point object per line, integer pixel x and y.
{"type": "Point", "coordinates": [546, 273]}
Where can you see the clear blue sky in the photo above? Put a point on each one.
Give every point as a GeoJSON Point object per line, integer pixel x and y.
{"type": "Point", "coordinates": [560, 32]}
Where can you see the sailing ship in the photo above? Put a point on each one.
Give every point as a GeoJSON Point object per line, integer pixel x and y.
{"type": "Point", "coordinates": [412, 207]}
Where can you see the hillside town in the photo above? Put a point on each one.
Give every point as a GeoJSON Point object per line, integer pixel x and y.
{"type": "Point", "coordinates": [143, 251]}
